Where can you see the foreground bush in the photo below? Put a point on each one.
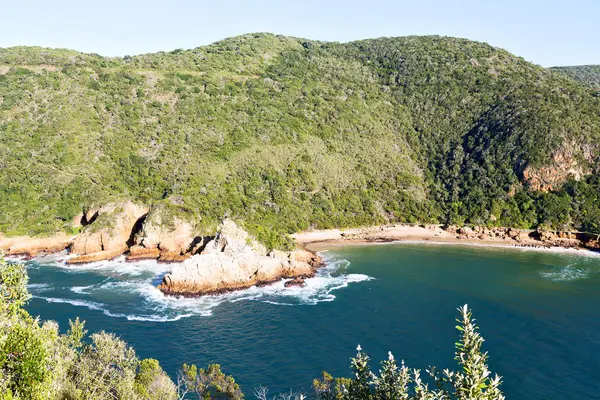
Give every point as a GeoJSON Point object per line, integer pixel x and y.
{"type": "Point", "coordinates": [36, 362]}
{"type": "Point", "coordinates": [472, 382]}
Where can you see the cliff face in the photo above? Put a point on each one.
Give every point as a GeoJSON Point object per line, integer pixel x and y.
{"type": "Point", "coordinates": [109, 233]}
{"type": "Point", "coordinates": [165, 236]}
{"type": "Point", "coordinates": [564, 165]}
{"type": "Point", "coordinates": [33, 246]}
{"type": "Point", "coordinates": [234, 260]}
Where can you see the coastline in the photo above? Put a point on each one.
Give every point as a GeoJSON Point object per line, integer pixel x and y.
{"type": "Point", "coordinates": [320, 240]}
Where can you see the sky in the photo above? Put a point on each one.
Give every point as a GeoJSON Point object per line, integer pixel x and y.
{"type": "Point", "coordinates": [547, 33]}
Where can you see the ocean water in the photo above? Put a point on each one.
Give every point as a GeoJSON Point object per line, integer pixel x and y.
{"type": "Point", "coordinates": [539, 312]}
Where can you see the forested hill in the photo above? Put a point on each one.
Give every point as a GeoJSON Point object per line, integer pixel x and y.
{"type": "Point", "coordinates": [286, 133]}
{"type": "Point", "coordinates": [589, 75]}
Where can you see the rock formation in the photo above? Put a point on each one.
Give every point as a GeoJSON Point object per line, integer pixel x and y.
{"type": "Point", "coordinates": [564, 165]}
{"type": "Point", "coordinates": [296, 282]}
{"type": "Point", "coordinates": [235, 260]}
{"type": "Point", "coordinates": [536, 238]}
{"type": "Point", "coordinates": [109, 233]}
{"type": "Point", "coordinates": [33, 246]}
{"type": "Point", "coordinates": [165, 235]}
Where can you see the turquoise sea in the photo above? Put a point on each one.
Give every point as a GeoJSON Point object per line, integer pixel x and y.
{"type": "Point", "coordinates": [539, 312]}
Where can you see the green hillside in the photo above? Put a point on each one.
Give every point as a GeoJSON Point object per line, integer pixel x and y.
{"type": "Point", "coordinates": [285, 133]}
{"type": "Point", "coordinates": [589, 75]}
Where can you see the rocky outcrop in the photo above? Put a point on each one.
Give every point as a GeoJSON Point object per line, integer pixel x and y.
{"type": "Point", "coordinates": [536, 238]}
{"type": "Point", "coordinates": [109, 234]}
{"type": "Point", "coordinates": [142, 253]}
{"type": "Point", "coordinates": [31, 247]}
{"type": "Point", "coordinates": [234, 260]}
{"type": "Point", "coordinates": [564, 165]}
{"type": "Point", "coordinates": [165, 231]}
{"type": "Point", "coordinates": [296, 282]}
{"type": "Point", "coordinates": [167, 234]}
{"type": "Point", "coordinates": [102, 255]}
{"type": "Point", "coordinates": [593, 243]}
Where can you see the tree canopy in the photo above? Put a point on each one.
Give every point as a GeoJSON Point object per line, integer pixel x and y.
{"type": "Point", "coordinates": [286, 134]}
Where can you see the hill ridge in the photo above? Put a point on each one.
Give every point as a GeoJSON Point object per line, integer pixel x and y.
{"type": "Point", "coordinates": [288, 133]}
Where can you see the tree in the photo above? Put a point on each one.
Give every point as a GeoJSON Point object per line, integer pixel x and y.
{"type": "Point", "coordinates": [207, 384]}
{"type": "Point", "coordinates": [393, 382]}
{"type": "Point", "coordinates": [24, 356]}
{"type": "Point", "coordinates": [152, 383]}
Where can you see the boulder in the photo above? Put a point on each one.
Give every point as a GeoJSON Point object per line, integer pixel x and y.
{"type": "Point", "coordinates": [450, 228]}
{"type": "Point", "coordinates": [593, 244]}
{"type": "Point", "coordinates": [296, 282]}
{"type": "Point", "coordinates": [235, 260]}
{"type": "Point", "coordinates": [112, 229]}
{"type": "Point", "coordinates": [546, 236]}
{"type": "Point", "coordinates": [513, 233]}
{"type": "Point", "coordinates": [465, 230]}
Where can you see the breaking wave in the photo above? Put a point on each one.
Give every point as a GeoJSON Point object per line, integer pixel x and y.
{"type": "Point", "coordinates": [568, 273]}
{"type": "Point", "coordinates": [101, 307]}
{"type": "Point", "coordinates": [125, 287]}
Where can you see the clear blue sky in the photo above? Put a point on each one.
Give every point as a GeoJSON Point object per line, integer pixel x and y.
{"type": "Point", "coordinates": [547, 32]}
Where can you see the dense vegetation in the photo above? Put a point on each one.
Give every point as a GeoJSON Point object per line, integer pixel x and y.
{"type": "Point", "coordinates": [286, 134]}
{"type": "Point", "coordinates": [36, 362]}
{"type": "Point", "coordinates": [589, 75]}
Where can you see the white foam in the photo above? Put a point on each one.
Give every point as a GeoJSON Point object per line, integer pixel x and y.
{"type": "Point", "coordinates": [555, 250]}
{"type": "Point", "coordinates": [101, 307]}
{"type": "Point", "coordinates": [39, 287]}
{"type": "Point", "coordinates": [118, 266]}
{"type": "Point", "coordinates": [81, 289]}
{"type": "Point", "coordinates": [136, 278]}
{"type": "Point", "coordinates": [568, 273]}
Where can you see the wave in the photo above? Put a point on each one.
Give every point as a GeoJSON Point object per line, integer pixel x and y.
{"type": "Point", "coordinates": [117, 267]}
{"type": "Point", "coordinates": [132, 283]}
{"type": "Point", "coordinates": [568, 273]}
{"type": "Point", "coordinates": [102, 307]}
{"type": "Point", "coordinates": [39, 287]}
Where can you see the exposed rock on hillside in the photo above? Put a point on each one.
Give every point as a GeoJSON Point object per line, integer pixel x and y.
{"type": "Point", "coordinates": [33, 246]}
{"type": "Point", "coordinates": [166, 235]}
{"type": "Point", "coordinates": [235, 260]}
{"type": "Point", "coordinates": [108, 236]}
{"type": "Point", "coordinates": [564, 165]}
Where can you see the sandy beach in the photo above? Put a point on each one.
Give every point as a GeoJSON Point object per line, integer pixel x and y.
{"type": "Point", "coordinates": [317, 240]}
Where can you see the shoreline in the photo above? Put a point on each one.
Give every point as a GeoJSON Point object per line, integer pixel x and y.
{"type": "Point", "coordinates": [325, 246]}
{"type": "Point", "coordinates": [319, 240]}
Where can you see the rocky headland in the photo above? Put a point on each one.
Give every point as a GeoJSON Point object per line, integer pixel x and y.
{"type": "Point", "coordinates": [234, 260]}
{"type": "Point", "coordinates": [31, 247]}
{"type": "Point", "coordinates": [230, 259]}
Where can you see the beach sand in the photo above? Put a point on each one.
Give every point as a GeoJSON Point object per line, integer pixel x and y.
{"type": "Point", "coordinates": [317, 240]}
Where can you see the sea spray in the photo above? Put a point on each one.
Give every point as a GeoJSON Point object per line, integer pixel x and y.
{"type": "Point", "coordinates": [123, 283]}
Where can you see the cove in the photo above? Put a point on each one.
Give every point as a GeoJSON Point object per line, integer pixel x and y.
{"type": "Point", "coordinates": [538, 311]}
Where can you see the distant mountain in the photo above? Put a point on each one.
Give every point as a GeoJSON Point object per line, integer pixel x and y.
{"type": "Point", "coordinates": [589, 75]}
{"type": "Point", "coordinates": [285, 133]}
